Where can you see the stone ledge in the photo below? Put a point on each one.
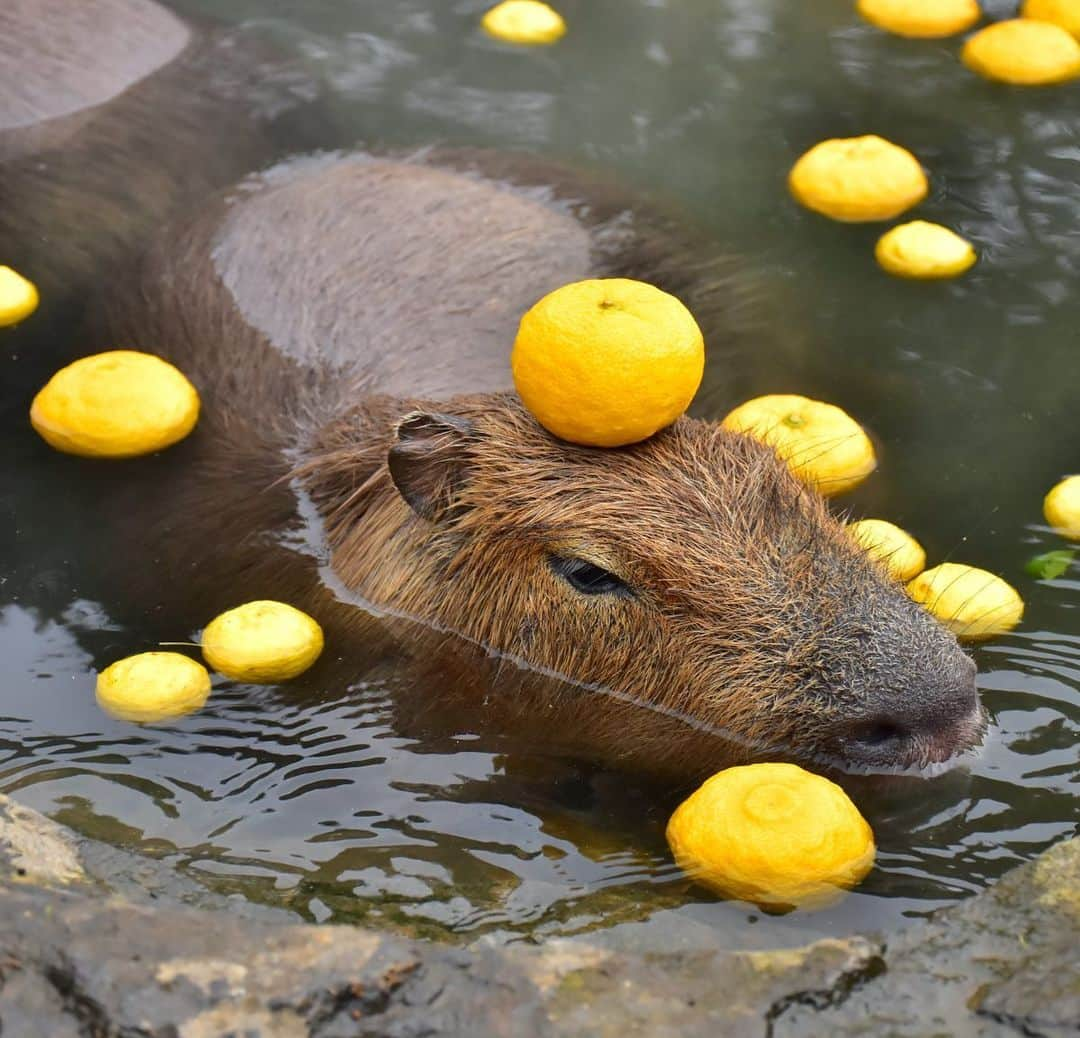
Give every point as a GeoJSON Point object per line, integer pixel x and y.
{"type": "Point", "coordinates": [78, 961]}
{"type": "Point", "coordinates": [35, 849]}
{"type": "Point", "coordinates": [102, 966]}
{"type": "Point", "coordinates": [1005, 962]}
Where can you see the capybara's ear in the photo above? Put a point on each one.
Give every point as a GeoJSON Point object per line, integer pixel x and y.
{"type": "Point", "coordinates": [429, 463]}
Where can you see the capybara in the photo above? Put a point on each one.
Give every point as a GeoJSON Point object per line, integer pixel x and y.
{"type": "Point", "coordinates": [114, 114]}
{"type": "Point", "coordinates": [348, 321]}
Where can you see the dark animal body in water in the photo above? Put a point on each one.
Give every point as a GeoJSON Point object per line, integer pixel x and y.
{"type": "Point", "coordinates": [115, 114]}
{"type": "Point", "coordinates": [348, 320]}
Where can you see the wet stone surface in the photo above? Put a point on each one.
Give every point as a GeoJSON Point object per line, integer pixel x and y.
{"type": "Point", "coordinates": [77, 958]}
{"type": "Point", "coordinates": [35, 849]}
{"type": "Point", "coordinates": [1004, 962]}
{"type": "Point", "coordinates": [95, 966]}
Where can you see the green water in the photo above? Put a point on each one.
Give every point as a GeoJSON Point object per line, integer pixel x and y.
{"type": "Point", "coordinates": [314, 799]}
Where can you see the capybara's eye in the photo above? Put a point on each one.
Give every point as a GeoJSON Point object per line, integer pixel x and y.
{"type": "Point", "coordinates": [589, 579]}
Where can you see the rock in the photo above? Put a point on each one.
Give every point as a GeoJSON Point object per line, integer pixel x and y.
{"type": "Point", "coordinates": [34, 849]}
{"type": "Point", "coordinates": [100, 966]}
{"type": "Point", "coordinates": [1005, 962]}
{"type": "Point", "coordinates": [734, 994]}
{"type": "Point", "coordinates": [78, 962]}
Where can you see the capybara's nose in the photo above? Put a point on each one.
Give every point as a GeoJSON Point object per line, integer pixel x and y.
{"type": "Point", "coordinates": [955, 698]}
{"type": "Point", "coordinates": [962, 699]}
{"type": "Point", "coordinates": [926, 726]}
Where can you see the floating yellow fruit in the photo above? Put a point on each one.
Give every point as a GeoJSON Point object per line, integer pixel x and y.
{"type": "Point", "coordinates": [1023, 52]}
{"type": "Point", "coordinates": [524, 21]}
{"type": "Point", "coordinates": [1065, 13]}
{"type": "Point", "coordinates": [923, 250]}
{"type": "Point", "coordinates": [262, 641]}
{"type": "Point", "coordinates": [823, 445]}
{"type": "Point", "coordinates": [1062, 507]}
{"type": "Point", "coordinates": [921, 18]}
{"type": "Point", "coordinates": [115, 405]}
{"type": "Point", "coordinates": [772, 834]}
{"type": "Point", "coordinates": [902, 556]}
{"type": "Point", "coordinates": [972, 603]}
{"type": "Point", "coordinates": [858, 179]}
{"type": "Point", "coordinates": [18, 297]}
{"type": "Point", "coordinates": [607, 362]}
{"type": "Point", "coordinates": [153, 686]}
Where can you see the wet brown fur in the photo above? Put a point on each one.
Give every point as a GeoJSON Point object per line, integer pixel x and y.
{"type": "Point", "coordinates": [742, 618]}
{"type": "Point", "coordinates": [751, 618]}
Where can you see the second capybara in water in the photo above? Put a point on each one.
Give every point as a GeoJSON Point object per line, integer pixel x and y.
{"type": "Point", "coordinates": [115, 114]}
{"type": "Point", "coordinates": [348, 322]}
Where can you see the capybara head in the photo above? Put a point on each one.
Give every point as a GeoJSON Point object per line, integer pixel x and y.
{"type": "Point", "coordinates": [690, 573]}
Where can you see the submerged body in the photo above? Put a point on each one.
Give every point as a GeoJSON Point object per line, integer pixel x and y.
{"type": "Point", "coordinates": [348, 321]}
{"type": "Point", "coordinates": [116, 114]}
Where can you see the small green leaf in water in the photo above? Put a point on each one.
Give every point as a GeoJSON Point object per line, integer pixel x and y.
{"type": "Point", "coordinates": [1051, 565]}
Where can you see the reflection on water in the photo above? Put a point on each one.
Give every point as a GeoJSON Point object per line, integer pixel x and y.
{"type": "Point", "coordinates": [338, 797]}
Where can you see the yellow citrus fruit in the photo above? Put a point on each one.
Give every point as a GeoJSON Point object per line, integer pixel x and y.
{"type": "Point", "coordinates": [823, 445]}
{"type": "Point", "coordinates": [858, 179]}
{"type": "Point", "coordinates": [772, 834]}
{"type": "Point", "coordinates": [262, 641]}
{"type": "Point", "coordinates": [524, 21]}
{"type": "Point", "coordinates": [1062, 507]}
{"type": "Point", "coordinates": [18, 297]}
{"type": "Point", "coordinates": [153, 686]}
{"type": "Point", "coordinates": [1065, 13]}
{"type": "Point", "coordinates": [923, 250]}
{"type": "Point", "coordinates": [1023, 52]}
{"type": "Point", "coordinates": [901, 555]}
{"type": "Point", "coordinates": [607, 362]}
{"type": "Point", "coordinates": [921, 18]}
{"type": "Point", "coordinates": [115, 405]}
{"type": "Point", "coordinates": [971, 602]}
